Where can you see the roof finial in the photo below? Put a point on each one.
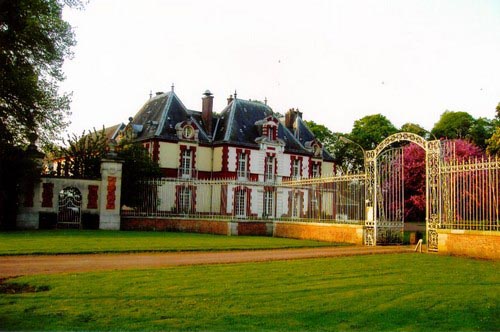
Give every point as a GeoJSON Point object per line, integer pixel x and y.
{"type": "Point", "coordinates": [265, 100]}
{"type": "Point", "coordinates": [150, 94]}
{"type": "Point", "coordinates": [173, 86]}
{"type": "Point", "coordinates": [235, 94]}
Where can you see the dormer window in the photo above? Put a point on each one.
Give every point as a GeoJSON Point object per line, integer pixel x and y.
{"type": "Point", "coordinates": [270, 134]}
{"type": "Point", "coordinates": [188, 132]}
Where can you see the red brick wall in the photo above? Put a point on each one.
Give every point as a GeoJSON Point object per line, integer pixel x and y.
{"type": "Point", "coordinates": [175, 225]}
{"type": "Point", "coordinates": [478, 244]}
{"type": "Point", "coordinates": [320, 232]}
{"type": "Point", "coordinates": [252, 228]}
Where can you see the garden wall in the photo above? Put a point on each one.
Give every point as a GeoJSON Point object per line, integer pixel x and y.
{"type": "Point", "coordinates": [478, 244]}
{"type": "Point", "coordinates": [320, 232]}
{"type": "Point", "coordinates": [309, 231]}
{"type": "Point", "coordinates": [175, 225]}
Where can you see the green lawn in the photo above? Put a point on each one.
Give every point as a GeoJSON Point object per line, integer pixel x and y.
{"type": "Point", "coordinates": [405, 292]}
{"type": "Point", "coordinates": [87, 241]}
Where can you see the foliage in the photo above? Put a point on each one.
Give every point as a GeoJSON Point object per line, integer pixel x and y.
{"type": "Point", "coordinates": [322, 133]}
{"type": "Point", "coordinates": [83, 154]}
{"type": "Point", "coordinates": [407, 292]}
{"type": "Point", "coordinates": [137, 166]}
{"type": "Point", "coordinates": [480, 131]}
{"type": "Point", "coordinates": [34, 41]}
{"type": "Point", "coordinates": [414, 171]}
{"type": "Point", "coordinates": [494, 143]}
{"type": "Point", "coordinates": [370, 130]}
{"type": "Point", "coordinates": [18, 171]}
{"type": "Point", "coordinates": [415, 129]}
{"type": "Point", "coordinates": [452, 125]}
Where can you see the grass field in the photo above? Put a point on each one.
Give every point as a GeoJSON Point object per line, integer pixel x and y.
{"type": "Point", "coordinates": [405, 292]}
{"type": "Point", "coordinates": [87, 241]}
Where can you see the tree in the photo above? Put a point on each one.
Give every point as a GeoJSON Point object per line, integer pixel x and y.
{"type": "Point", "coordinates": [34, 41]}
{"type": "Point", "coordinates": [480, 131]}
{"type": "Point", "coordinates": [83, 154]}
{"type": "Point", "coordinates": [414, 170]}
{"type": "Point", "coordinates": [493, 143]}
{"type": "Point", "coordinates": [370, 130]}
{"type": "Point", "coordinates": [137, 167]}
{"type": "Point", "coordinates": [322, 133]}
{"type": "Point", "coordinates": [453, 125]}
{"type": "Point", "coordinates": [415, 129]}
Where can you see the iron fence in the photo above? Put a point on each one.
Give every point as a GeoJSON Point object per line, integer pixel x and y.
{"type": "Point", "coordinates": [470, 194]}
{"type": "Point", "coordinates": [338, 199]}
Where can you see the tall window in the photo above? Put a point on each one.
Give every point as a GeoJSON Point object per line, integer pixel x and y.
{"type": "Point", "coordinates": [295, 205]}
{"type": "Point", "coordinates": [184, 203]}
{"type": "Point", "coordinates": [268, 203]}
{"type": "Point", "coordinates": [269, 172]}
{"type": "Point", "coordinates": [315, 170]}
{"type": "Point", "coordinates": [240, 203]}
{"type": "Point", "coordinates": [242, 165]}
{"type": "Point", "coordinates": [186, 162]}
{"type": "Point", "coordinates": [296, 168]}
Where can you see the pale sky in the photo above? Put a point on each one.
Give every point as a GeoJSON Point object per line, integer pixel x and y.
{"type": "Point", "coordinates": [337, 61]}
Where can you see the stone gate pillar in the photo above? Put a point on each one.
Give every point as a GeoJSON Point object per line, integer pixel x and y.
{"type": "Point", "coordinates": [110, 194]}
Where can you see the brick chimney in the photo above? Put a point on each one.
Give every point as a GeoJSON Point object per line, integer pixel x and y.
{"type": "Point", "coordinates": [206, 111]}
{"type": "Point", "coordinates": [291, 116]}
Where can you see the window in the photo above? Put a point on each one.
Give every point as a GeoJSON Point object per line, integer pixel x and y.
{"type": "Point", "coordinates": [242, 165]}
{"type": "Point", "coordinates": [184, 203]}
{"type": "Point", "coordinates": [188, 132]}
{"type": "Point", "coordinates": [186, 160]}
{"type": "Point", "coordinates": [270, 133]}
{"type": "Point", "coordinates": [295, 205]}
{"type": "Point", "coordinates": [296, 168]}
{"type": "Point", "coordinates": [268, 203]}
{"type": "Point", "coordinates": [240, 203]}
{"type": "Point", "coordinates": [269, 171]}
{"type": "Point", "coordinates": [315, 170]}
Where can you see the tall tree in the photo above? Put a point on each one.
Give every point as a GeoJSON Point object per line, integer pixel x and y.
{"type": "Point", "coordinates": [453, 125]}
{"type": "Point", "coordinates": [34, 41]}
{"type": "Point", "coordinates": [370, 130]}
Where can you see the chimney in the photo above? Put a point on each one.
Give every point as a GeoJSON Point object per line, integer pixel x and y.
{"type": "Point", "coordinates": [206, 111]}
{"type": "Point", "coordinates": [290, 117]}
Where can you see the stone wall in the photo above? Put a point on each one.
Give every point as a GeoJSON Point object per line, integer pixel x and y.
{"type": "Point", "coordinates": [320, 232]}
{"type": "Point", "coordinates": [478, 244]}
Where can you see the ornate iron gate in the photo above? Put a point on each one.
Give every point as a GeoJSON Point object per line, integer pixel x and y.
{"type": "Point", "coordinates": [70, 213]}
{"type": "Point", "coordinates": [379, 225]}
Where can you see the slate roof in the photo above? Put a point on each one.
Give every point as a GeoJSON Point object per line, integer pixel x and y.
{"type": "Point", "coordinates": [159, 116]}
{"type": "Point", "coordinates": [236, 125]}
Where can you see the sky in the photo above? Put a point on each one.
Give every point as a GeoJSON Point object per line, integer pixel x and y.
{"type": "Point", "coordinates": [336, 61]}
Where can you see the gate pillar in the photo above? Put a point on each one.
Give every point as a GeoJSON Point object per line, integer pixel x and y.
{"type": "Point", "coordinates": [110, 195]}
{"type": "Point", "coordinates": [370, 237]}
{"type": "Point", "coordinates": [433, 194]}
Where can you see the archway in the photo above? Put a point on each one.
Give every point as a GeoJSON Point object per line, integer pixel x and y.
{"type": "Point", "coordinates": [377, 226]}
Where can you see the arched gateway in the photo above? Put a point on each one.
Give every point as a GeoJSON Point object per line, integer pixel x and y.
{"type": "Point", "coordinates": [384, 181]}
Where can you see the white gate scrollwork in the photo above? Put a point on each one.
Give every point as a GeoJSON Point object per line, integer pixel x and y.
{"type": "Point", "coordinates": [70, 212]}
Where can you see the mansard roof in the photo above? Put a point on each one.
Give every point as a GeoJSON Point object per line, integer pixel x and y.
{"type": "Point", "coordinates": [238, 124]}
{"type": "Point", "coordinates": [159, 116]}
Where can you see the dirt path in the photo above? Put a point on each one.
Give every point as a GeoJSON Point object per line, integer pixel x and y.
{"type": "Point", "coordinates": [11, 266]}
